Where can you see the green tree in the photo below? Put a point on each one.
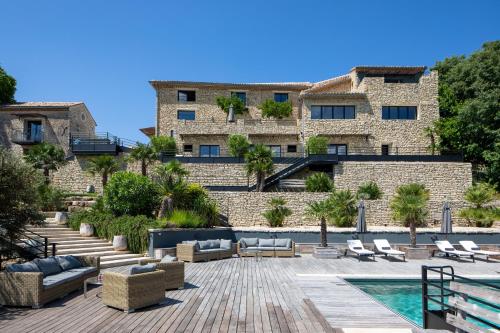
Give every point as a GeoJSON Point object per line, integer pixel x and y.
{"type": "Point", "coordinates": [469, 96]}
{"type": "Point", "coordinates": [369, 191]}
{"type": "Point", "coordinates": [430, 133]}
{"type": "Point", "coordinates": [273, 109]}
{"type": "Point", "coordinates": [317, 145]}
{"type": "Point", "coordinates": [409, 206]}
{"type": "Point", "coordinates": [321, 210]}
{"type": "Point", "coordinates": [319, 182]}
{"type": "Point", "coordinates": [277, 212]}
{"type": "Point", "coordinates": [344, 208]}
{"type": "Point", "coordinates": [170, 178]}
{"type": "Point", "coordinates": [259, 162]}
{"type": "Point", "coordinates": [145, 154]}
{"type": "Point", "coordinates": [480, 194]}
{"type": "Point", "coordinates": [7, 87]}
{"type": "Point", "coordinates": [225, 102]}
{"type": "Point", "coordinates": [103, 165]}
{"type": "Point", "coordinates": [238, 145]}
{"type": "Point", "coordinates": [164, 144]}
{"type": "Point", "coordinates": [47, 157]}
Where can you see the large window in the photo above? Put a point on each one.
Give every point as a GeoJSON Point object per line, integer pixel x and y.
{"type": "Point", "coordinates": [275, 150]}
{"type": "Point", "coordinates": [186, 96]}
{"type": "Point", "coordinates": [185, 115]}
{"type": "Point", "coordinates": [281, 97]}
{"type": "Point", "coordinates": [399, 112]}
{"type": "Point", "coordinates": [241, 95]}
{"type": "Point", "coordinates": [34, 131]}
{"type": "Point", "coordinates": [339, 149]}
{"type": "Point", "coordinates": [209, 151]}
{"type": "Point", "coordinates": [333, 112]}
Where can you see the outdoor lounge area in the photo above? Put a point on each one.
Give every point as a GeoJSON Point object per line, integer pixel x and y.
{"type": "Point", "coordinates": [271, 295]}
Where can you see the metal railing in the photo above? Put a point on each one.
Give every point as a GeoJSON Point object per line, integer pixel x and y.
{"type": "Point", "coordinates": [98, 142]}
{"type": "Point", "coordinates": [25, 137]}
{"type": "Point", "coordinates": [437, 318]}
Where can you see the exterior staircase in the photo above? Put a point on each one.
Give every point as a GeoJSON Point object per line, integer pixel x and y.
{"type": "Point", "coordinates": [70, 242]}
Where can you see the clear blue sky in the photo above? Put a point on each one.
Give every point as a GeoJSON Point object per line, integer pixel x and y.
{"type": "Point", "coordinates": [105, 52]}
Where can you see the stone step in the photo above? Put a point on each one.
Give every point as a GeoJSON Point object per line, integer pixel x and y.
{"type": "Point", "coordinates": [97, 253]}
{"type": "Point", "coordinates": [57, 239]}
{"type": "Point", "coordinates": [87, 240]}
{"type": "Point", "coordinates": [48, 229]}
{"type": "Point", "coordinates": [120, 256]}
{"type": "Point", "coordinates": [119, 262]}
{"type": "Point", "coordinates": [64, 246]}
{"type": "Point", "coordinates": [59, 234]}
{"type": "Point", "coordinates": [85, 249]}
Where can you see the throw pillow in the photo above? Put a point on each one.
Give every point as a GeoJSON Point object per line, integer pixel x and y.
{"type": "Point", "coordinates": [226, 244]}
{"type": "Point", "coordinates": [26, 267]}
{"type": "Point", "coordinates": [68, 262]}
{"type": "Point", "coordinates": [168, 258]}
{"type": "Point", "coordinates": [138, 269]}
{"type": "Point", "coordinates": [48, 266]}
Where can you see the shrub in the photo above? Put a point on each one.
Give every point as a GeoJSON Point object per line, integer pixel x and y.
{"type": "Point", "coordinates": [186, 219]}
{"type": "Point", "coordinates": [479, 217]}
{"type": "Point", "coordinates": [194, 197]}
{"type": "Point", "coordinates": [480, 194]}
{"type": "Point", "coordinates": [47, 157]}
{"type": "Point", "coordinates": [344, 208]}
{"type": "Point", "coordinates": [277, 213]}
{"type": "Point", "coordinates": [317, 145]}
{"type": "Point", "coordinates": [273, 109]}
{"type": "Point", "coordinates": [319, 182]}
{"type": "Point", "coordinates": [238, 145]}
{"type": "Point", "coordinates": [51, 198]}
{"type": "Point", "coordinates": [259, 162]}
{"type": "Point", "coordinates": [135, 228]}
{"type": "Point", "coordinates": [225, 102]}
{"type": "Point", "coordinates": [208, 209]}
{"type": "Point", "coordinates": [128, 193]}
{"type": "Point", "coordinates": [369, 191]}
{"type": "Point", "coordinates": [164, 144]}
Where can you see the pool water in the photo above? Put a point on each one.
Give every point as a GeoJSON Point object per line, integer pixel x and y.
{"type": "Point", "coordinates": [402, 296]}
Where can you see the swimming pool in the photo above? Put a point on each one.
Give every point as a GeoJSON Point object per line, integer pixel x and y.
{"type": "Point", "coordinates": [402, 296]}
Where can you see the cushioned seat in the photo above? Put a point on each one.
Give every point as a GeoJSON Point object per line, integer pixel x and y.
{"type": "Point", "coordinates": [66, 276]}
{"type": "Point", "coordinates": [211, 250]}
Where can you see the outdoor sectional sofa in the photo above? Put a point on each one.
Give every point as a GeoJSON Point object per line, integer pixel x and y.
{"type": "Point", "coordinates": [212, 249]}
{"type": "Point", "coordinates": [43, 280]}
{"type": "Point", "coordinates": [284, 247]}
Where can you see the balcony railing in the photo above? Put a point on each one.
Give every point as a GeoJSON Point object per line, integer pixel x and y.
{"type": "Point", "coordinates": [98, 143]}
{"type": "Point", "coordinates": [27, 138]}
{"type": "Point", "coordinates": [243, 126]}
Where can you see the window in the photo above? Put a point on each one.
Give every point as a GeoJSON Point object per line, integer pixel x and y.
{"type": "Point", "coordinates": [34, 131]}
{"type": "Point", "coordinates": [333, 112]}
{"type": "Point", "coordinates": [291, 149]}
{"type": "Point", "coordinates": [281, 97]}
{"type": "Point", "coordinates": [275, 150]}
{"type": "Point", "coordinates": [339, 149]}
{"type": "Point", "coordinates": [185, 115]}
{"type": "Point", "coordinates": [186, 95]}
{"type": "Point", "coordinates": [399, 112]}
{"type": "Point", "coordinates": [209, 151]}
{"type": "Point", "coordinates": [385, 149]}
{"type": "Point", "coordinates": [188, 148]}
{"type": "Point", "coordinates": [240, 95]}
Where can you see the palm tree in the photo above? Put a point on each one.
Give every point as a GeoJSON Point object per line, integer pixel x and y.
{"type": "Point", "coordinates": [259, 161]}
{"type": "Point", "coordinates": [409, 206]}
{"type": "Point", "coordinates": [319, 182]}
{"type": "Point", "coordinates": [344, 208]}
{"type": "Point", "coordinates": [47, 157]}
{"type": "Point", "coordinates": [170, 178]}
{"type": "Point", "coordinates": [145, 154]}
{"type": "Point", "coordinates": [103, 165]}
{"type": "Point", "coordinates": [321, 210]}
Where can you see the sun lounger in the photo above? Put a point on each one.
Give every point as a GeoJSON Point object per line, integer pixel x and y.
{"type": "Point", "coordinates": [472, 247]}
{"type": "Point", "coordinates": [448, 249]}
{"type": "Point", "coordinates": [357, 247]}
{"type": "Point", "coordinates": [383, 246]}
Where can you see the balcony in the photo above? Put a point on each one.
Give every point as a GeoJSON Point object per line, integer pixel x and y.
{"type": "Point", "coordinates": [243, 126]}
{"type": "Point", "coordinates": [98, 143]}
{"type": "Point", "coordinates": [27, 138]}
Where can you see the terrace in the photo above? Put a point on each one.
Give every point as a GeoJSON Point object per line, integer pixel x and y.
{"type": "Point", "coordinates": [301, 294]}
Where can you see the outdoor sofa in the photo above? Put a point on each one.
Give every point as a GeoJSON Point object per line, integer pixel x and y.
{"type": "Point", "coordinates": [174, 272]}
{"type": "Point", "coordinates": [40, 281]}
{"type": "Point", "coordinates": [279, 247]}
{"type": "Point", "coordinates": [212, 249]}
{"type": "Point", "coordinates": [139, 287]}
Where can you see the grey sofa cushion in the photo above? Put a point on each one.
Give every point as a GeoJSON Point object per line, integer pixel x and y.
{"type": "Point", "coordinates": [138, 269]}
{"type": "Point", "coordinates": [195, 243]}
{"type": "Point", "coordinates": [204, 245]}
{"type": "Point", "coordinates": [214, 243]}
{"type": "Point", "coordinates": [284, 242]}
{"type": "Point", "coordinates": [26, 267]}
{"type": "Point", "coordinates": [48, 266]}
{"type": "Point", "coordinates": [210, 250]}
{"type": "Point", "coordinates": [226, 244]}
{"type": "Point", "coordinates": [282, 248]}
{"type": "Point", "coordinates": [247, 242]}
{"type": "Point", "coordinates": [266, 242]}
{"type": "Point", "coordinates": [68, 262]}
{"type": "Point", "coordinates": [66, 276]}
{"type": "Point", "coordinates": [167, 259]}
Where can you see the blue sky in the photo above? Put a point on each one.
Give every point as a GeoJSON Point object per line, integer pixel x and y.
{"type": "Point", "coordinates": [105, 52]}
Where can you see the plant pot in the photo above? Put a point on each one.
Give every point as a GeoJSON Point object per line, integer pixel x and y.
{"type": "Point", "coordinates": [416, 252]}
{"type": "Point", "coordinates": [61, 218]}
{"type": "Point", "coordinates": [86, 230]}
{"type": "Point", "coordinates": [119, 243]}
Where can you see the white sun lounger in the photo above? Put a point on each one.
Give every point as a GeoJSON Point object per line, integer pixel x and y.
{"type": "Point", "coordinates": [445, 247]}
{"type": "Point", "coordinates": [383, 246]}
{"type": "Point", "coordinates": [472, 247]}
{"type": "Point", "coordinates": [357, 247]}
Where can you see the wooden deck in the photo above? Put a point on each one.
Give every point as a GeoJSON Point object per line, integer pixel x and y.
{"type": "Point", "coordinates": [300, 294]}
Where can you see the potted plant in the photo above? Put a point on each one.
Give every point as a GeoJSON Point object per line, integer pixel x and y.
{"type": "Point", "coordinates": [86, 230]}
{"type": "Point", "coordinates": [409, 206]}
{"type": "Point", "coordinates": [119, 243]}
{"type": "Point", "coordinates": [322, 210]}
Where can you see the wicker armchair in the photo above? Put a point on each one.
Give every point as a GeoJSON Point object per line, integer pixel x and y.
{"type": "Point", "coordinates": [187, 252]}
{"type": "Point", "coordinates": [131, 292]}
{"type": "Point", "coordinates": [26, 288]}
{"type": "Point", "coordinates": [174, 272]}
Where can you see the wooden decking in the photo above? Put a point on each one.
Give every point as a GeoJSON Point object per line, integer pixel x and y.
{"type": "Point", "coordinates": [237, 295]}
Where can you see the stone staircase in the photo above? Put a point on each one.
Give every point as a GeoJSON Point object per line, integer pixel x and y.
{"type": "Point", "coordinates": [71, 242]}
